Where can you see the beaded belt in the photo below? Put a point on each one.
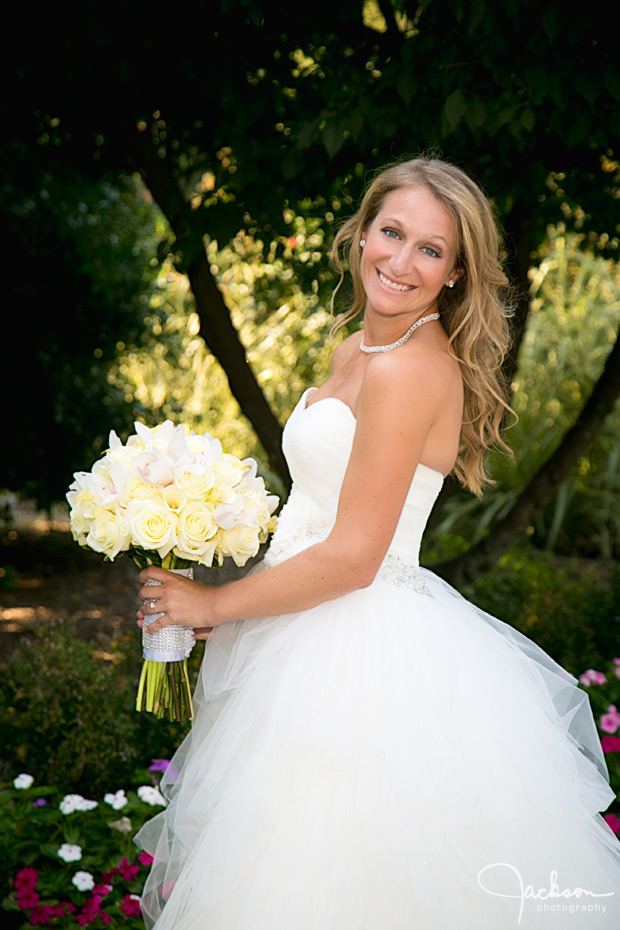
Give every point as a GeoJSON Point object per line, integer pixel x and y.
{"type": "Point", "coordinates": [393, 570]}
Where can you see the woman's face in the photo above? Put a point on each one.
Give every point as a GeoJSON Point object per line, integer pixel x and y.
{"type": "Point", "coordinates": [409, 255]}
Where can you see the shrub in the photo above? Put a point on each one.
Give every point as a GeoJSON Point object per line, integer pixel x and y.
{"type": "Point", "coordinates": [67, 712]}
{"type": "Point", "coordinates": [570, 608]}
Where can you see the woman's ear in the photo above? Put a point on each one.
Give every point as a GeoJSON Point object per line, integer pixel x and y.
{"type": "Point", "coordinates": [456, 274]}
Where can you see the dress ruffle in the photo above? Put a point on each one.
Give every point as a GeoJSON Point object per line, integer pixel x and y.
{"type": "Point", "coordinates": [364, 763]}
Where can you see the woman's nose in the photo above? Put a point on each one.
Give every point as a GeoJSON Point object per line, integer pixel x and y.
{"type": "Point", "coordinates": [402, 261]}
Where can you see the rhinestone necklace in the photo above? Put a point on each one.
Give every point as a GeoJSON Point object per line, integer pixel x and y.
{"type": "Point", "coordinates": [399, 342]}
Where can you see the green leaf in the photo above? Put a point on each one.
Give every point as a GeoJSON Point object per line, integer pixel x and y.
{"type": "Point", "coordinates": [579, 130]}
{"type": "Point", "coordinates": [551, 23]}
{"type": "Point", "coordinates": [406, 84]}
{"type": "Point", "coordinates": [528, 119]}
{"type": "Point", "coordinates": [588, 88]}
{"type": "Point", "coordinates": [611, 79]}
{"type": "Point", "coordinates": [333, 138]}
{"type": "Point", "coordinates": [455, 108]}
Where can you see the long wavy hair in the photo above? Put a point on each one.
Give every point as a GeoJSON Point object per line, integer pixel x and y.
{"type": "Point", "coordinates": [474, 313]}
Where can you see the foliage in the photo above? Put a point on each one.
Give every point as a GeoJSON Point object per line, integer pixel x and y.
{"type": "Point", "coordinates": [80, 253]}
{"type": "Point", "coordinates": [571, 609]}
{"type": "Point", "coordinates": [172, 374]}
{"type": "Point", "coordinates": [71, 861]}
{"type": "Point", "coordinates": [67, 711]}
{"type": "Point", "coordinates": [573, 324]}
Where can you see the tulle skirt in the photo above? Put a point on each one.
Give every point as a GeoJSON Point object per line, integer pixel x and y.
{"type": "Point", "coordinates": [387, 760]}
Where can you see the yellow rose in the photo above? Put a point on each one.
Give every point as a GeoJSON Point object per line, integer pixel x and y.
{"type": "Point", "coordinates": [152, 526]}
{"type": "Point", "coordinates": [82, 515]}
{"type": "Point", "coordinates": [107, 533]}
{"type": "Point", "coordinates": [195, 480]}
{"type": "Point", "coordinates": [197, 533]}
{"type": "Point", "coordinates": [240, 542]}
{"type": "Point", "coordinates": [139, 490]}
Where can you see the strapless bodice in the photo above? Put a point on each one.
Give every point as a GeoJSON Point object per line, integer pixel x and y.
{"type": "Point", "coordinates": [317, 444]}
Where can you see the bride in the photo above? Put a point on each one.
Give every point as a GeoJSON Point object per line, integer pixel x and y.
{"type": "Point", "coordinates": [371, 751]}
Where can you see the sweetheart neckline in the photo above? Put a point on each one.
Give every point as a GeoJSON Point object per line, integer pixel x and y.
{"type": "Point", "coordinates": [305, 406]}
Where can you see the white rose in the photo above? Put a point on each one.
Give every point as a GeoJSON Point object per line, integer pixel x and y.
{"type": "Point", "coordinates": [240, 542]}
{"type": "Point", "coordinates": [70, 852]}
{"type": "Point", "coordinates": [152, 526]}
{"type": "Point", "coordinates": [83, 511]}
{"type": "Point", "coordinates": [108, 533]}
{"type": "Point", "coordinates": [23, 781]}
{"type": "Point", "coordinates": [196, 532]}
{"type": "Point", "coordinates": [140, 490]}
{"type": "Point", "coordinates": [194, 478]}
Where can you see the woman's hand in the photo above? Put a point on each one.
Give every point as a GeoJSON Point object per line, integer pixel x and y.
{"type": "Point", "coordinates": [179, 599]}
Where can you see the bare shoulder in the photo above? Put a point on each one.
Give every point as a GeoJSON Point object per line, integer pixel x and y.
{"type": "Point", "coordinates": [344, 351]}
{"type": "Point", "coordinates": [422, 382]}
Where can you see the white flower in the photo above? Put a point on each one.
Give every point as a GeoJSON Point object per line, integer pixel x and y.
{"type": "Point", "coordinates": [70, 852]}
{"type": "Point", "coordinates": [241, 542]}
{"type": "Point", "coordinates": [123, 825]}
{"type": "Point", "coordinates": [152, 525]}
{"type": "Point", "coordinates": [83, 881]}
{"type": "Point", "coordinates": [23, 781]}
{"type": "Point", "coordinates": [196, 527]}
{"type": "Point", "coordinates": [195, 478]}
{"type": "Point", "coordinates": [75, 802]}
{"type": "Point", "coordinates": [116, 800]}
{"type": "Point", "coordinates": [151, 795]}
{"type": "Point", "coordinates": [108, 533]}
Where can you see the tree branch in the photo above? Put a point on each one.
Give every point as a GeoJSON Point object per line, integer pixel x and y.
{"type": "Point", "coordinates": [216, 327]}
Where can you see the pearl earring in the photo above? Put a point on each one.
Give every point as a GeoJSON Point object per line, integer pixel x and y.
{"type": "Point", "coordinates": [450, 283]}
{"type": "Point", "coordinates": [362, 242]}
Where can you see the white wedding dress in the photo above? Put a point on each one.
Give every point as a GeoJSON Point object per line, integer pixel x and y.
{"type": "Point", "coordinates": [393, 759]}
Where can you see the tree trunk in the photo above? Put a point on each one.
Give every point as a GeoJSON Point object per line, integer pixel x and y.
{"type": "Point", "coordinates": [216, 327]}
{"type": "Point", "coordinates": [540, 489]}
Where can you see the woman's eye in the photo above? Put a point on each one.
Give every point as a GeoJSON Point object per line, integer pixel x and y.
{"type": "Point", "coordinates": [390, 233]}
{"type": "Point", "coordinates": [430, 251]}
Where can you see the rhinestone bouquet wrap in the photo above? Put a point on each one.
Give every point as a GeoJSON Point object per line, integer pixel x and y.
{"type": "Point", "coordinates": [170, 497]}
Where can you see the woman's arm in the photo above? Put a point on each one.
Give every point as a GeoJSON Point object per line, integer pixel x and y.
{"type": "Point", "coordinates": [399, 399]}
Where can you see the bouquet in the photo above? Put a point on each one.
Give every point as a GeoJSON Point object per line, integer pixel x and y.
{"type": "Point", "coordinates": [170, 497]}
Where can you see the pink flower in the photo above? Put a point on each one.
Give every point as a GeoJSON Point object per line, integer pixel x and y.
{"type": "Point", "coordinates": [26, 878]}
{"type": "Point", "coordinates": [102, 890]}
{"type": "Point", "coordinates": [131, 905]}
{"type": "Point", "coordinates": [616, 661]}
{"type": "Point", "coordinates": [145, 858]}
{"type": "Point", "coordinates": [40, 915]}
{"type": "Point", "coordinates": [610, 721]}
{"type": "Point", "coordinates": [128, 870]}
{"type": "Point", "coordinates": [40, 802]}
{"type": "Point", "coordinates": [159, 765]}
{"type": "Point", "coordinates": [610, 743]}
{"type": "Point", "coordinates": [591, 677]}
{"type": "Point", "coordinates": [108, 877]}
{"type": "Point", "coordinates": [613, 822]}
{"type": "Point", "coordinates": [27, 897]}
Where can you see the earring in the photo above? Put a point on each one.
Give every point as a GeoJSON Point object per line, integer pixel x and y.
{"type": "Point", "coordinates": [362, 242]}
{"type": "Point", "coordinates": [450, 283]}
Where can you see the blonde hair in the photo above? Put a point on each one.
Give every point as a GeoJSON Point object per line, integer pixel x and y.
{"type": "Point", "coordinates": [474, 312]}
